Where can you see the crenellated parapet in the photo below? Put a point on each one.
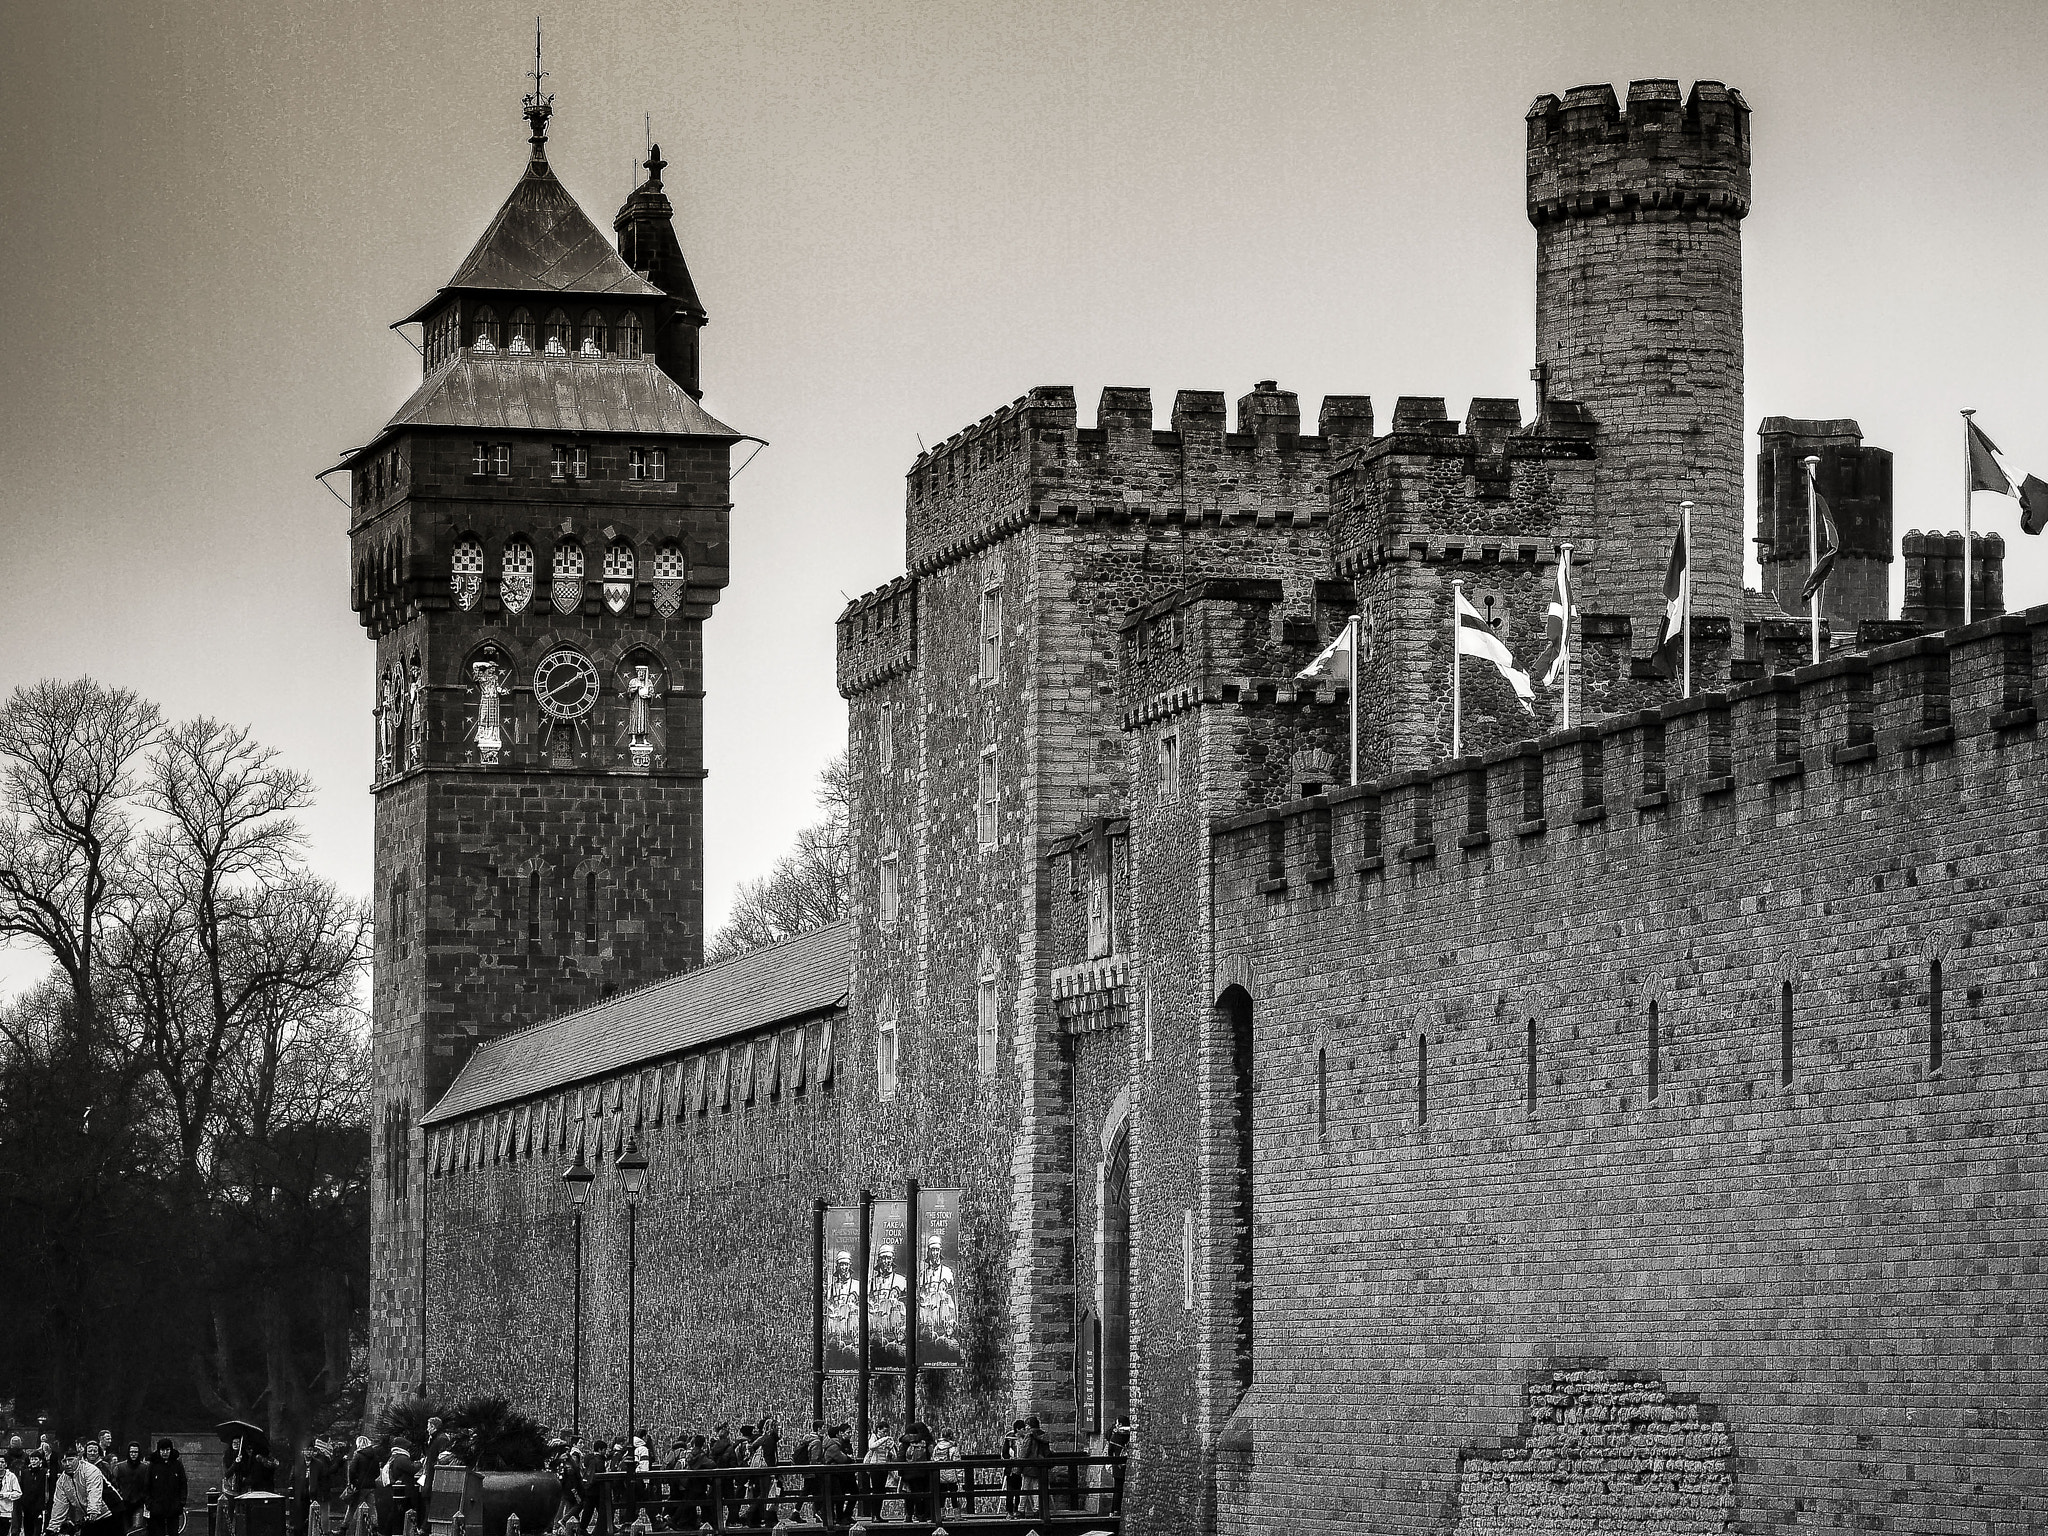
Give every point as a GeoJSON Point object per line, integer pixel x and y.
{"type": "Point", "coordinates": [1658, 157]}
{"type": "Point", "coordinates": [1032, 461]}
{"type": "Point", "coordinates": [1227, 641]}
{"type": "Point", "coordinates": [1879, 724]}
{"type": "Point", "coordinates": [877, 634]}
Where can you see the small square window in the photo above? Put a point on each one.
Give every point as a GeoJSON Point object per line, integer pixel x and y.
{"type": "Point", "coordinates": [558, 462]}
{"type": "Point", "coordinates": [657, 464]}
{"type": "Point", "coordinates": [579, 463]}
{"type": "Point", "coordinates": [484, 461]}
{"type": "Point", "coordinates": [501, 460]}
{"type": "Point", "coordinates": [636, 463]}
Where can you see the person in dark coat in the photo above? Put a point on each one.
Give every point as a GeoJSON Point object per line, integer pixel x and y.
{"type": "Point", "coordinates": [32, 1509]}
{"type": "Point", "coordinates": [250, 1466]}
{"type": "Point", "coordinates": [164, 1490]}
{"type": "Point", "coordinates": [127, 1477]}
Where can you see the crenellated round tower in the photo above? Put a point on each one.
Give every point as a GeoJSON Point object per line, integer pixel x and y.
{"type": "Point", "coordinates": [1638, 213]}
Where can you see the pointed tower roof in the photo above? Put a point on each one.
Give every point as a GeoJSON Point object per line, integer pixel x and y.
{"type": "Point", "coordinates": [541, 242]}
{"type": "Point", "coordinates": [646, 229]}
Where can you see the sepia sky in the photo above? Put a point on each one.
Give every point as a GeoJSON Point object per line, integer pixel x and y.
{"type": "Point", "coordinates": [900, 216]}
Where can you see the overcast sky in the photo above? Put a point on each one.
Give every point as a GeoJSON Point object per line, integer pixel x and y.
{"type": "Point", "coordinates": [899, 216]}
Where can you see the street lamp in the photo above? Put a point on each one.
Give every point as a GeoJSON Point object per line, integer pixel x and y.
{"type": "Point", "coordinates": [578, 1177]}
{"type": "Point", "coordinates": [633, 1171]}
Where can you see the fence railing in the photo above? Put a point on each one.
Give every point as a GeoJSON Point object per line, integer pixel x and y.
{"type": "Point", "coordinates": [1065, 1492]}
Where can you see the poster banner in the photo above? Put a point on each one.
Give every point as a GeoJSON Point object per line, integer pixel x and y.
{"type": "Point", "coordinates": [840, 1305]}
{"type": "Point", "coordinates": [938, 1282]}
{"type": "Point", "coordinates": [888, 1285]}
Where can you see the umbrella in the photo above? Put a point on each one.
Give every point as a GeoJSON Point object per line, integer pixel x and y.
{"type": "Point", "coordinates": [239, 1429]}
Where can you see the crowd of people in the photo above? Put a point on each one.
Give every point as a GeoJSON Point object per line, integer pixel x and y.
{"type": "Point", "coordinates": [90, 1488]}
{"type": "Point", "coordinates": [923, 1472]}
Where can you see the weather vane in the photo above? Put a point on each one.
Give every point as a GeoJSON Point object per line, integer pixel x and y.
{"type": "Point", "coordinates": [538, 107]}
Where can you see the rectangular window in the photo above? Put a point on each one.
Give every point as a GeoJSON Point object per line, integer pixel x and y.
{"type": "Point", "coordinates": [1529, 1068]}
{"type": "Point", "coordinates": [885, 1059]}
{"type": "Point", "coordinates": [1654, 1065]}
{"type": "Point", "coordinates": [481, 465]}
{"type": "Point", "coordinates": [1785, 1034]}
{"type": "Point", "coordinates": [1169, 766]}
{"type": "Point", "coordinates": [885, 738]}
{"type": "Point", "coordinates": [590, 911]}
{"type": "Point", "coordinates": [533, 910]}
{"type": "Point", "coordinates": [986, 1027]}
{"type": "Point", "coordinates": [1422, 1080]}
{"type": "Point", "coordinates": [636, 463]}
{"type": "Point", "coordinates": [579, 463]}
{"type": "Point", "coordinates": [1101, 899]}
{"type": "Point", "coordinates": [985, 817]}
{"type": "Point", "coordinates": [1934, 1018]}
{"type": "Point", "coordinates": [991, 634]}
{"type": "Point", "coordinates": [657, 464]}
{"type": "Point", "coordinates": [501, 460]}
{"type": "Point", "coordinates": [558, 462]}
{"type": "Point", "coordinates": [890, 894]}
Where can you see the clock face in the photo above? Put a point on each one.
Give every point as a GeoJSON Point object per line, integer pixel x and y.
{"type": "Point", "coordinates": [565, 683]}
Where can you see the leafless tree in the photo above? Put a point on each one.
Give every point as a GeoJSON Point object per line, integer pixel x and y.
{"type": "Point", "coordinates": [807, 887]}
{"type": "Point", "coordinates": [69, 753]}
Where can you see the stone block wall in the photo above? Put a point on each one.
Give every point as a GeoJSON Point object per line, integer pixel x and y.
{"type": "Point", "coordinates": [1718, 1057]}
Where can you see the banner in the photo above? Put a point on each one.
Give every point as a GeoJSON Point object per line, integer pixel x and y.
{"type": "Point", "coordinates": [938, 1282]}
{"type": "Point", "coordinates": [888, 1285]}
{"type": "Point", "coordinates": [840, 1305]}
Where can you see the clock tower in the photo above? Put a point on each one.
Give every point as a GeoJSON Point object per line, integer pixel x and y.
{"type": "Point", "coordinates": [538, 536]}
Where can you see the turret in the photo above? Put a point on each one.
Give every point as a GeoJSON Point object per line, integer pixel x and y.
{"type": "Point", "coordinates": [1639, 319]}
{"type": "Point", "coordinates": [647, 242]}
{"type": "Point", "coordinates": [1857, 484]}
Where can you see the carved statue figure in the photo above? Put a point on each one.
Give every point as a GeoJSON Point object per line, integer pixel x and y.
{"type": "Point", "coordinates": [490, 688]}
{"type": "Point", "coordinates": [415, 714]}
{"type": "Point", "coordinates": [640, 688]}
{"type": "Point", "coordinates": [387, 722]}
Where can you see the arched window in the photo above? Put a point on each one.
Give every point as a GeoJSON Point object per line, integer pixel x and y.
{"type": "Point", "coordinates": [515, 583]}
{"type": "Point", "coordinates": [1113, 1370]}
{"type": "Point", "coordinates": [629, 335]}
{"type": "Point", "coordinates": [590, 335]}
{"type": "Point", "coordinates": [669, 575]}
{"type": "Point", "coordinates": [568, 574]}
{"type": "Point", "coordinates": [520, 337]}
{"type": "Point", "coordinates": [466, 571]}
{"type": "Point", "coordinates": [557, 341]}
{"type": "Point", "coordinates": [618, 575]}
{"type": "Point", "coordinates": [1236, 1011]}
{"type": "Point", "coordinates": [483, 334]}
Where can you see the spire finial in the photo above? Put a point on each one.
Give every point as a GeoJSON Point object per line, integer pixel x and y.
{"type": "Point", "coordinates": [539, 108]}
{"type": "Point", "coordinates": [655, 165]}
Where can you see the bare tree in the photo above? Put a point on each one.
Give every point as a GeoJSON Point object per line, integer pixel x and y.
{"type": "Point", "coordinates": [68, 757]}
{"type": "Point", "coordinates": [807, 887]}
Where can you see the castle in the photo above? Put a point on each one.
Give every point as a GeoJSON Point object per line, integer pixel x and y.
{"type": "Point", "coordinates": [1637, 1122]}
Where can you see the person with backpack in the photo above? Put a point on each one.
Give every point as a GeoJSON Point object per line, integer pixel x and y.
{"type": "Point", "coordinates": [875, 1481]}
{"type": "Point", "coordinates": [1037, 1451]}
{"type": "Point", "coordinates": [164, 1490]}
{"type": "Point", "coordinates": [917, 1482]}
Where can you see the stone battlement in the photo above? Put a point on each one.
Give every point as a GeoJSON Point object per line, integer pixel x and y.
{"type": "Point", "coordinates": [1032, 461]}
{"type": "Point", "coordinates": [1897, 712]}
{"type": "Point", "coordinates": [1659, 157]}
{"type": "Point", "coordinates": [877, 635]}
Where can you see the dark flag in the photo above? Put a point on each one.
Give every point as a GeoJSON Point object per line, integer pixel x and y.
{"type": "Point", "coordinates": [1671, 633]}
{"type": "Point", "coordinates": [1830, 546]}
{"type": "Point", "coordinates": [2033, 504]}
{"type": "Point", "coordinates": [1557, 627]}
{"type": "Point", "coordinates": [1985, 472]}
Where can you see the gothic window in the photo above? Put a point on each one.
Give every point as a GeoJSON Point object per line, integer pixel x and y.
{"type": "Point", "coordinates": [629, 335]}
{"type": "Point", "coordinates": [557, 342]}
{"type": "Point", "coordinates": [515, 584]}
{"type": "Point", "coordinates": [991, 632]}
{"type": "Point", "coordinates": [987, 1026]}
{"type": "Point", "coordinates": [519, 333]}
{"type": "Point", "coordinates": [668, 580]}
{"type": "Point", "coordinates": [467, 571]}
{"type": "Point", "coordinates": [567, 590]}
{"type": "Point", "coordinates": [618, 576]}
{"type": "Point", "coordinates": [483, 333]}
{"type": "Point", "coordinates": [590, 335]}
{"type": "Point", "coordinates": [886, 1047]}
{"type": "Point", "coordinates": [985, 803]}
{"type": "Point", "coordinates": [590, 911]}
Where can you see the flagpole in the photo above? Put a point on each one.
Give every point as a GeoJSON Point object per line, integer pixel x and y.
{"type": "Point", "coordinates": [1969, 481]}
{"type": "Point", "coordinates": [1357, 634]}
{"type": "Point", "coordinates": [1564, 633]}
{"type": "Point", "coordinates": [1685, 619]}
{"type": "Point", "coordinates": [1457, 591]}
{"type": "Point", "coordinates": [1812, 462]}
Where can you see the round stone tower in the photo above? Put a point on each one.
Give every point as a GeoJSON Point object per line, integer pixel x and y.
{"type": "Point", "coordinates": [1638, 216]}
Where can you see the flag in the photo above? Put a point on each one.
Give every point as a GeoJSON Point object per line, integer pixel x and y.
{"type": "Point", "coordinates": [1339, 659]}
{"type": "Point", "coordinates": [1557, 628]}
{"type": "Point", "coordinates": [1986, 474]}
{"type": "Point", "coordinates": [1830, 545]}
{"type": "Point", "coordinates": [1476, 638]}
{"type": "Point", "coordinates": [2033, 504]}
{"type": "Point", "coordinates": [1677, 600]}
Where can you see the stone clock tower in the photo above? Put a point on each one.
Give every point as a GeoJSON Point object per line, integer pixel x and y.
{"type": "Point", "coordinates": [538, 536]}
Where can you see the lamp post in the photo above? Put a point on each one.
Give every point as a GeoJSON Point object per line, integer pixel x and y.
{"type": "Point", "coordinates": [578, 1177]}
{"type": "Point", "coordinates": [633, 1171]}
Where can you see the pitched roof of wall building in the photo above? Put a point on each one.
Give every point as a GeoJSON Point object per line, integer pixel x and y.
{"type": "Point", "coordinates": [542, 393]}
{"type": "Point", "coordinates": [791, 980]}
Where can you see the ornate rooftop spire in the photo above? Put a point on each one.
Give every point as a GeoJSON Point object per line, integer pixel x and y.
{"type": "Point", "coordinates": [655, 166]}
{"type": "Point", "coordinates": [539, 108]}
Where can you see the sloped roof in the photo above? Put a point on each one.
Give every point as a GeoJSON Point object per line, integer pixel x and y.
{"type": "Point", "coordinates": [542, 392]}
{"type": "Point", "coordinates": [790, 980]}
{"type": "Point", "coordinates": [542, 242]}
